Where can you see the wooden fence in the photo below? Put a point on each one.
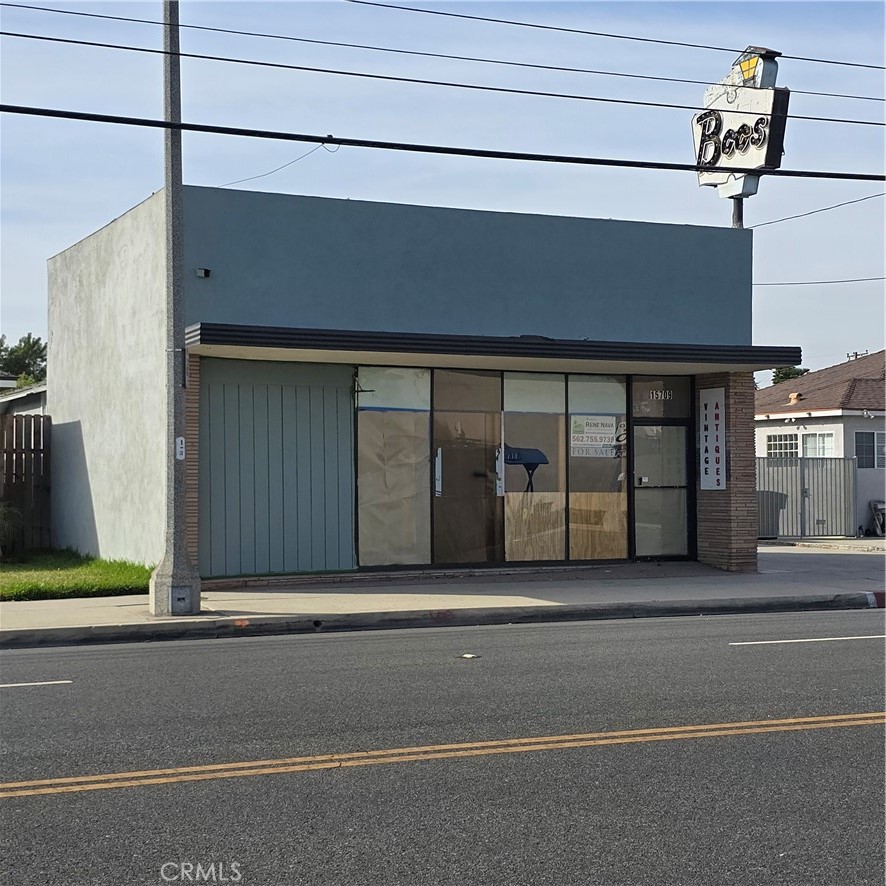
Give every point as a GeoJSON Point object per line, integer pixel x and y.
{"type": "Point", "coordinates": [24, 479]}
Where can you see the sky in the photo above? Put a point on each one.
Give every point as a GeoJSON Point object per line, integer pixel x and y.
{"type": "Point", "coordinates": [62, 180]}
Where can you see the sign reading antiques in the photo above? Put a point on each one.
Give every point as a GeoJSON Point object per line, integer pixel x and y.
{"type": "Point", "coordinates": [597, 436]}
{"type": "Point", "coordinates": [742, 124]}
{"type": "Point", "coordinates": [712, 438]}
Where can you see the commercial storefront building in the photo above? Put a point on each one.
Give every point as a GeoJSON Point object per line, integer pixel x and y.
{"type": "Point", "coordinates": [377, 385]}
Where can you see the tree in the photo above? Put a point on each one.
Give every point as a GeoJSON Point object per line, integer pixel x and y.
{"type": "Point", "coordinates": [25, 360]}
{"type": "Point", "coordinates": [783, 373]}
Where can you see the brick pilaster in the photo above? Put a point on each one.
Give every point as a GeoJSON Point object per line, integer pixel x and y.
{"type": "Point", "coordinates": [727, 519]}
{"type": "Point", "coordinates": [192, 448]}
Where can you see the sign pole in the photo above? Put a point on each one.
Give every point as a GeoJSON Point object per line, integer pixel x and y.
{"type": "Point", "coordinates": [175, 584]}
{"type": "Point", "coordinates": [738, 212]}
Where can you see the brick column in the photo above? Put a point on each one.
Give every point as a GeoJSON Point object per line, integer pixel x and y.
{"type": "Point", "coordinates": [192, 448]}
{"type": "Point", "coordinates": [727, 519]}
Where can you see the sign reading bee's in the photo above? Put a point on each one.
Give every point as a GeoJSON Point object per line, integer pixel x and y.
{"type": "Point", "coordinates": [742, 125]}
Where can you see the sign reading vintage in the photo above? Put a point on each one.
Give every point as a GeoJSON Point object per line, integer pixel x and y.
{"type": "Point", "coordinates": [712, 438]}
{"type": "Point", "coordinates": [742, 124]}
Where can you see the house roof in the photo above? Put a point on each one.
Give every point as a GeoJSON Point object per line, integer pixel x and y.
{"type": "Point", "coordinates": [17, 393]}
{"type": "Point", "coordinates": [854, 385]}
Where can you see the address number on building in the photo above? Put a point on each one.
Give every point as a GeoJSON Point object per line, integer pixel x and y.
{"type": "Point", "coordinates": [661, 395]}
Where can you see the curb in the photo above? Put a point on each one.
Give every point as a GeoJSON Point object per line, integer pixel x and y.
{"type": "Point", "coordinates": [836, 546]}
{"type": "Point", "coordinates": [269, 625]}
{"type": "Point", "coordinates": [825, 546]}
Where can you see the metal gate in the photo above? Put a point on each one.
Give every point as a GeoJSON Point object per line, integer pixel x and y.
{"type": "Point", "coordinates": [806, 497]}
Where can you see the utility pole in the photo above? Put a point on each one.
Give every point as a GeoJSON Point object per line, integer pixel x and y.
{"type": "Point", "coordinates": [175, 584]}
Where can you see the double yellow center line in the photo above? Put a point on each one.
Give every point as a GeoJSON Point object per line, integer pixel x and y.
{"type": "Point", "coordinates": [75, 784]}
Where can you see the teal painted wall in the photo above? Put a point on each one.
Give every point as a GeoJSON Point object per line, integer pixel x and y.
{"type": "Point", "coordinates": [276, 472]}
{"type": "Point", "coordinates": [282, 260]}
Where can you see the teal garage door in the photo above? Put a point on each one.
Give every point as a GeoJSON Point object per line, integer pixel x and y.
{"type": "Point", "coordinates": [276, 464]}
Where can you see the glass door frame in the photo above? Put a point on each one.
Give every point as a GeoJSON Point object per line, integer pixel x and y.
{"type": "Point", "coordinates": [689, 424]}
{"type": "Point", "coordinates": [499, 463]}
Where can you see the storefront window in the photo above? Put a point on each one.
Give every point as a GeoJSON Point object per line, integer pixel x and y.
{"type": "Point", "coordinates": [534, 466]}
{"type": "Point", "coordinates": [393, 465]}
{"type": "Point", "coordinates": [598, 499]}
{"type": "Point", "coordinates": [668, 396]}
{"type": "Point", "coordinates": [470, 466]}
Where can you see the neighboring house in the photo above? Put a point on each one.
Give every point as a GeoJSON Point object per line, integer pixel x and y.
{"type": "Point", "coordinates": [372, 385]}
{"type": "Point", "coordinates": [24, 401]}
{"type": "Point", "coordinates": [837, 412]}
{"type": "Point", "coordinates": [7, 381]}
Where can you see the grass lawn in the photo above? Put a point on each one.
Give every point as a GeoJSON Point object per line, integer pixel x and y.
{"type": "Point", "coordinates": [50, 575]}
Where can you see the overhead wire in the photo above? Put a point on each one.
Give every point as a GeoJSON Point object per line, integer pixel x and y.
{"type": "Point", "coordinates": [820, 282]}
{"type": "Point", "coordinates": [444, 149]}
{"type": "Point", "coordinates": [418, 80]}
{"type": "Point", "coordinates": [240, 181]}
{"type": "Point", "coordinates": [424, 53]}
{"type": "Point", "coordinates": [412, 147]}
{"type": "Point", "coordinates": [680, 43]}
{"type": "Point", "coordinates": [324, 141]}
{"type": "Point", "coordinates": [776, 221]}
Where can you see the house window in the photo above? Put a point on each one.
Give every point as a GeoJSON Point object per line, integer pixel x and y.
{"type": "Point", "coordinates": [870, 449]}
{"type": "Point", "coordinates": [781, 446]}
{"type": "Point", "coordinates": [818, 445]}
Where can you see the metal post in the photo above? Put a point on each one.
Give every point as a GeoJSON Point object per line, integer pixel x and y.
{"type": "Point", "coordinates": [738, 212]}
{"type": "Point", "coordinates": [859, 532]}
{"type": "Point", "coordinates": [175, 584]}
{"type": "Point", "coordinates": [804, 496]}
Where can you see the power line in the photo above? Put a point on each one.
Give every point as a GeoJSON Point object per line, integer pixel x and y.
{"type": "Point", "coordinates": [419, 81]}
{"type": "Point", "coordinates": [272, 171]}
{"type": "Point", "coordinates": [505, 21]}
{"type": "Point", "coordinates": [411, 147]}
{"type": "Point", "coordinates": [814, 211]}
{"type": "Point", "coordinates": [820, 282]}
{"type": "Point", "coordinates": [426, 54]}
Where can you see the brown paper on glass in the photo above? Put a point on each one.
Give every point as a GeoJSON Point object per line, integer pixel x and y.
{"type": "Point", "coordinates": [393, 487]}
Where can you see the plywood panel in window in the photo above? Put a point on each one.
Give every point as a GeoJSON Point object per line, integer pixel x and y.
{"type": "Point", "coordinates": [598, 526]}
{"type": "Point", "coordinates": [535, 525]}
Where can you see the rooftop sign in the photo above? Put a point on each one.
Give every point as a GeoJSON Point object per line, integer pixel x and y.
{"type": "Point", "coordinates": [742, 124]}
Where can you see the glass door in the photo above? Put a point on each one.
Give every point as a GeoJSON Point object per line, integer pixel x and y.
{"type": "Point", "coordinates": [660, 491]}
{"type": "Point", "coordinates": [468, 467]}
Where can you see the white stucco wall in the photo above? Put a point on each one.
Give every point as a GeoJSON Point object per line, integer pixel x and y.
{"type": "Point", "coordinates": [828, 425]}
{"type": "Point", "coordinates": [871, 481]}
{"type": "Point", "coordinates": [106, 388]}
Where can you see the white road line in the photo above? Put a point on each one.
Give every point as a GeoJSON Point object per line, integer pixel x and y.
{"type": "Point", "coordinates": [810, 640]}
{"type": "Point", "coordinates": [44, 683]}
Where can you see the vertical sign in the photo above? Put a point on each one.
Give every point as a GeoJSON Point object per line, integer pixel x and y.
{"type": "Point", "coordinates": [712, 438]}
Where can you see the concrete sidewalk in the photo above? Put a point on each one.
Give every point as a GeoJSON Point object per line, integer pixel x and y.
{"type": "Point", "coordinates": [790, 578]}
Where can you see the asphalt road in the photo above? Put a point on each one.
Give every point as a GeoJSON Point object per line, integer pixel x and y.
{"type": "Point", "coordinates": [797, 805]}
